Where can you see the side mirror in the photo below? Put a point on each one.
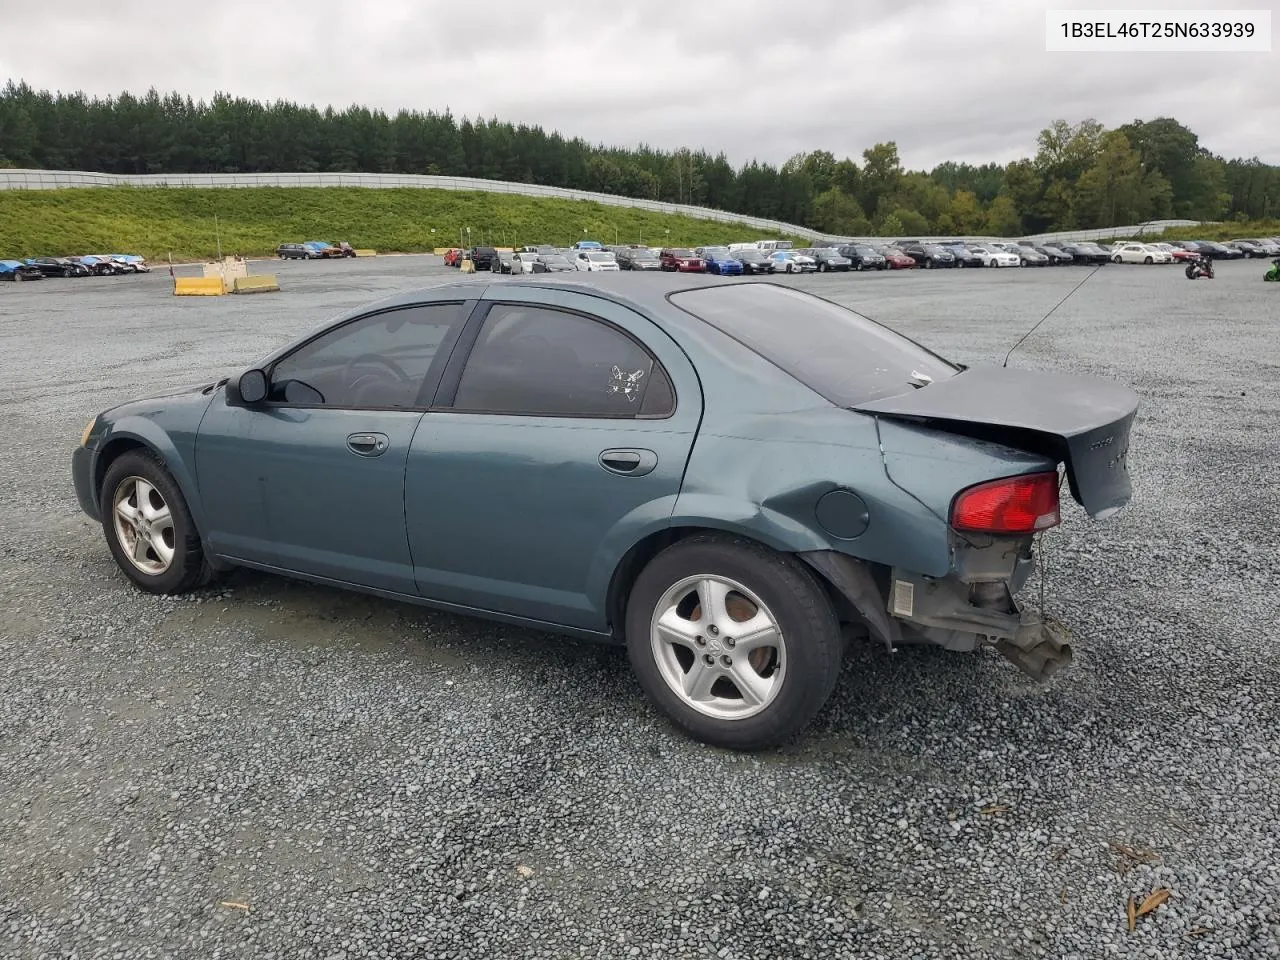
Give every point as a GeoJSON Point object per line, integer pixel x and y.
{"type": "Point", "coordinates": [247, 389]}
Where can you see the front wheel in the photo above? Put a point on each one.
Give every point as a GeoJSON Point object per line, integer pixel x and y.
{"type": "Point", "coordinates": [1190, 272]}
{"type": "Point", "coordinates": [148, 527]}
{"type": "Point", "coordinates": [1115, 259]}
{"type": "Point", "coordinates": [1149, 260]}
{"type": "Point", "coordinates": [737, 644]}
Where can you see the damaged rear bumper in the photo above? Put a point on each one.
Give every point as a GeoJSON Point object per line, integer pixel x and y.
{"type": "Point", "coordinates": [973, 606]}
{"type": "Point", "coordinates": [956, 615]}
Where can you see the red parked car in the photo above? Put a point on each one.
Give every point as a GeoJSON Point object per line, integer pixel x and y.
{"type": "Point", "coordinates": [897, 260]}
{"type": "Point", "coordinates": [681, 260]}
{"type": "Point", "coordinates": [1180, 255]}
{"type": "Point", "coordinates": [452, 257]}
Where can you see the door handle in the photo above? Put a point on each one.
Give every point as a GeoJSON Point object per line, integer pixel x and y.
{"type": "Point", "coordinates": [368, 444]}
{"type": "Point", "coordinates": [628, 462]}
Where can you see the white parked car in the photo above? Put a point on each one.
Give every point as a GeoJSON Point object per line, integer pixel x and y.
{"type": "Point", "coordinates": [993, 256]}
{"type": "Point", "coordinates": [788, 261]}
{"type": "Point", "coordinates": [1139, 253]}
{"type": "Point", "coordinates": [523, 262]}
{"type": "Point", "coordinates": [594, 260]}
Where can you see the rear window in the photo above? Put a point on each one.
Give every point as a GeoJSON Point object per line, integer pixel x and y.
{"type": "Point", "coordinates": [839, 354]}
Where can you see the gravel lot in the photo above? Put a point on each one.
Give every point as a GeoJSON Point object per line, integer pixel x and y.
{"type": "Point", "coordinates": [372, 779]}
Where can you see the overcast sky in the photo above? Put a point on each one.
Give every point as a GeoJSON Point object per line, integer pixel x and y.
{"type": "Point", "coordinates": [946, 79]}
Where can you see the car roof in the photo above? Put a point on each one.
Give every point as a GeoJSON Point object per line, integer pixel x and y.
{"type": "Point", "coordinates": [646, 292]}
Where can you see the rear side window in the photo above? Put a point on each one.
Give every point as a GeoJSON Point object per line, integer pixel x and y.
{"type": "Point", "coordinates": [839, 354]}
{"type": "Point", "coordinates": [538, 361]}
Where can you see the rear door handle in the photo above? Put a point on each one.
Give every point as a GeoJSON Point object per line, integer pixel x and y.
{"type": "Point", "coordinates": [368, 444]}
{"type": "Point", "coordinates": [629, 462]}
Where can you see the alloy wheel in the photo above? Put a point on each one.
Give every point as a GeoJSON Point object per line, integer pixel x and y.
{"type": "Point", "coordinates": [718, 647]}
{"type": "Point", "coordinates": [144, 525]}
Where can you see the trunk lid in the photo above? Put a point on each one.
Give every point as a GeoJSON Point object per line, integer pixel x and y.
{"type": "Point", "coordinates": [1081, 421]}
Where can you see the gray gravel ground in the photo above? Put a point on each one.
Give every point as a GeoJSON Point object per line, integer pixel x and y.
{"type": "Point", "coordinates": [377, 780]}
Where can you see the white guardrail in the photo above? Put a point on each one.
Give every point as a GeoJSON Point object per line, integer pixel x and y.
{"type": "Point", "coordinates": [63, 179]}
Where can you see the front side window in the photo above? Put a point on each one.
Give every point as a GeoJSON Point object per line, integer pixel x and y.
{"type": "Point", "coordinates": [537, 361]}
{"type": "Point", "coordinates": [376, 361]}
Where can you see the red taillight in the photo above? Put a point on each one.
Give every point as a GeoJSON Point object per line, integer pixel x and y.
{"type": "Point", "coordinates": [1014, 505]}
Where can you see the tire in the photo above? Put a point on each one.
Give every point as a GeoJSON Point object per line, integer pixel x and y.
{"type": "Point", "coordinates": [125, 480]}
{"type": "Point", "coordinates": [1149, 260]}
{"type": "Point", "coordinates": [18, 278]}
{"type": "Point", "coordinates": [1190, 272]}
{"type": "Point", "coordinates": [928, 264]}
{"type": "Point", "coordinates": [803, 665]}
{"type": "Point", "coordinates": [1115, 259]}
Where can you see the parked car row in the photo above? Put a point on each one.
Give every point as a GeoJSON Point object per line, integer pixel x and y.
{"type": "Point", "coordinates": [779, 256]}
{"type": "Point", "coordinates": [315, 250]}
{"type": "Point", "coordinates": [92, 265]}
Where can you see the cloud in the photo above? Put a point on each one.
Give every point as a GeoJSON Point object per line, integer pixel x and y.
{"type": "Point", "coordinates": [763, 79]}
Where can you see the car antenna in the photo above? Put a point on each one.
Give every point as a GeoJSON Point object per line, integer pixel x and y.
{"type": "Point", "coordinates": [1047, 315]}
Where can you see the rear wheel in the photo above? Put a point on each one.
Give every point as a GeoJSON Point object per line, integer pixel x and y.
{"type": "Point", "coordinates": [1149, 260]}
{"type": "Point", "coordinates": [148, 527]}
{"type": "Point", "coordinates": [737, 644]}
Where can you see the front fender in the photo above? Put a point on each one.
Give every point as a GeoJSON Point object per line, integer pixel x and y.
{"type": "Point", "coordinates": [175, 453]}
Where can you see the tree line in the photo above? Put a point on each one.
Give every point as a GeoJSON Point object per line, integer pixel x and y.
{"type": "Point", "coordinates": [1082, 175]}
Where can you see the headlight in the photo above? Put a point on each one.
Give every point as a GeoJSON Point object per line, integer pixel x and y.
{"type": "Point", "coordinates": [88, 429]}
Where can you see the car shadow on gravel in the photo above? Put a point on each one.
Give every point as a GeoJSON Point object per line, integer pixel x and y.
{"type": "Point", "coordinates": [876, 688]}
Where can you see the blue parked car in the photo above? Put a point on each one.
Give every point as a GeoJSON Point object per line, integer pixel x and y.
{"type": "Point", "coordinates": [17, 270]}
{"type": "Point", "coordinates": [720, 260]}
{"type": "Point", "coordinates": [728, 477]}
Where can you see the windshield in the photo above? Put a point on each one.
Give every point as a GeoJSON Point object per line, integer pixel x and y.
{"type": "Point", "coordinates": [933, 248]}
{"type": "Point", "coordinates": [642, 255]}
{"type": "Point", "coordinates": [839, 354]}
{"type": "Point", "coordinates": [600, 256]}
{"type": "Point", "coordinates": [718, 253]}
{"type": "Point", "coordinates": [681, 252]}
{"type": "Point", "coordinates": [865, 252]}
{"type": "Point", "coordinates": [554, 261]}
{"type": "Point", "coordinates": [748, 255]}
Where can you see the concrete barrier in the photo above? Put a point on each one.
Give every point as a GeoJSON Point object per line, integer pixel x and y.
{"type": "Point", "coordinates": [198, 287]}
{"type": "Point", "coordinates": [258, 283]}
{"type": "Point", "coordinates": [366, 253]}
{"type": "Point", "coordinates": [467, 266]}
{"type": "Point", "coordinates": [228, 268]}
{"type": "Point", "coordinates": [441, 251]}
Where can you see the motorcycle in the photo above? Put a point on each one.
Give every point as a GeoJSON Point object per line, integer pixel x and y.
{"type": "Point", "coordinates": [1202, 266]}
{"type": "Point", "coordinates": [1274, 272]}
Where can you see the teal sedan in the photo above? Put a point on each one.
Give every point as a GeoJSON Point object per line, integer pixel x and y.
{"type": "Point", "coordinates": [730, 477]}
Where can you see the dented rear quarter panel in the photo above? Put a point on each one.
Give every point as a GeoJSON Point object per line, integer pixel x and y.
{"type": "Point", "coordinates": [769, 448]}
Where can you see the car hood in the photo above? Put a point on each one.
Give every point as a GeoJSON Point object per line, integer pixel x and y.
{"type": "Point", "coordinates": [143, 405]}
{"type": "Point", "coordinates": [1081, 420]}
